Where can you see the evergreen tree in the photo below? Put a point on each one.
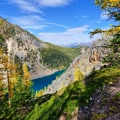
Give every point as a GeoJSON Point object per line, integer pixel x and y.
{"type": "Point", "coordinates": [113, 58]}
{"type": "Point", "coordinates": [22, 94]}
{"type": "Point", "coordinates": [112, 9]}
{"type": "Point", "coordinates": [15, 93]}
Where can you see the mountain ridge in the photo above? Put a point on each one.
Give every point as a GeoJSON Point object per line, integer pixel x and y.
{"type": "Point", "coordinates": [86, 62]}
{"type": "Point", "coordinates": [26, 47]}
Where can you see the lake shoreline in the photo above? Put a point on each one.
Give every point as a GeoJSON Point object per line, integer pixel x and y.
{"type": "Point", "coordinates": [34, 77]}
{"type": "Point", "coordinates": [40, 83]}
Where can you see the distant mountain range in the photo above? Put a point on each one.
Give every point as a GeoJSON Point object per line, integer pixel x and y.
{"type": "Point", "coordinates": [76, 45]}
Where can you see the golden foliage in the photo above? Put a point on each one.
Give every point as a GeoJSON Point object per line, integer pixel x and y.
{"type": "Point", "coordinates": [8, 69]}
{"type": "Point", "coordinates": [26, 75]}
{"type": "Point", "coordinates": [104, 4]}
{"type": "Point", "coordinates": [110, 32]}
{"type": "Point", "coordinates": [112, 7]}
{"type": "Point", "coordinates": [2, 86]}
{"type": "Point", "coordinates": [39, 93]}
{"type": "Point", "coordinates": [77, 74]}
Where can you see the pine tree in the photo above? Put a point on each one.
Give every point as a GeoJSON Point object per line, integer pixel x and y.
{"type": "Point", "coordinates": [8, 67]}
{"type": "Point", "coordinates": [113, 58]}
{"type": "Point", "coordinates": [17, 88]}
{"type": "Point", "coordinates": [22, 94]}
{"type": "Point", "coordinates": [112, 8]}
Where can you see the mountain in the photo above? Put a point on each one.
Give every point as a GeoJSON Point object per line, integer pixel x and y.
{"type": "Point", "coordinates": [94, 97]}
{"type": "Point", "coordinates": [76, 45]}
{"type": "Point", "coordinates": [89, 89]}
{"type": "Point", "coordinates": [88, 60]}
{"type": "Point", "coordinates": [42, 58]}
{"type": "Point", "coordinates": [70, 51]}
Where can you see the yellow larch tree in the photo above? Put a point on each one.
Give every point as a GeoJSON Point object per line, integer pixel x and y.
{"type": "Point", "coordinates": [112, 9]}
{"type": "Point", "coordinates": [39, 93]}
{"type": "Point", "coordinates": [107, 4]}
{"type": "Point", "coordinates": [78, 74]}
{"type": "Point", "coordinates": [26, 75]}
{"type": "Point", "coordinates": [8, 73]}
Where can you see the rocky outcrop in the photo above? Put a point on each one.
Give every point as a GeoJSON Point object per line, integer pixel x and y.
{"type": "Point", "coordinates": [27, 49]}
{"type": "Point", "coordinates": [24, 47]}
{"type": "Point", "coordinates": [86, 62]}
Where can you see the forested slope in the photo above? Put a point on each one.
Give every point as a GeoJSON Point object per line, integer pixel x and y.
{"type": "Point", "coordinates": [55, 56]}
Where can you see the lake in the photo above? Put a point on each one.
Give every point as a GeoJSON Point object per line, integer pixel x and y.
{"type": "Point", "coordinates": [40, 83]}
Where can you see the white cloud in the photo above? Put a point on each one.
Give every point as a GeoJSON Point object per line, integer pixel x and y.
{"type": "Point", "coordinates": [56, 24]}
{"type": "Point", "coordinates": [25, 5]}
{"type": "Point", "coordinates": [53, 3]}
{"type": "Point", "coordinates": [29, 22]}
{"type": "Point", "coordinates": [77, 30]}
{"type": "Point", "coordinates": [70, 36]}
{"type": "Point", "coordinates": [26, 20]}
{"type": "Point", "coordinates": [35, 27]}
{"type": "Point", "coordinates": [35, 6]}
{"type": "Point", "coordinates": [34, 22]}
{"type": "Point", "coordinates": [104, 15]}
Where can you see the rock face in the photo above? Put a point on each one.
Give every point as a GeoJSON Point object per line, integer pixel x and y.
{"type": "Point", "coordinates": [25, 47]}
{"type": "Point", "coordinates": [86, 62]}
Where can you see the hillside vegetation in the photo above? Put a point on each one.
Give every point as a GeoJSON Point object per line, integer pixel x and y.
{"type": "Point", "coordinates": [55, 56]}
{"type": "Point", "coordinates": [77, 95]}
{"type": "Point", "coordinates": [71, 52]}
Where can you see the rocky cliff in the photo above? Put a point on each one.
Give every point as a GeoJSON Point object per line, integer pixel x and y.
{"type": "Point", "coordinates": [24, 47]}
{"type": "Point", "coordinates": [41, 58]}
{"type": "Point", "coordinates": [86, 62]}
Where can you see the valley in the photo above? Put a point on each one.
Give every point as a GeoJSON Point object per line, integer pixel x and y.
{"type": "Point", "coordinates": [41, 80]}
{"type": "Point", "coordinates": [27, 47]}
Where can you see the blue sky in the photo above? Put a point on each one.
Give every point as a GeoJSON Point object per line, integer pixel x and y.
{"type": "Point", "coordinates": [61, 22]}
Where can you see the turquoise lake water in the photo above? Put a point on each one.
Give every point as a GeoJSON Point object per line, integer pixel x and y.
{"type": "Point", "coordinates": [40, 83]}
